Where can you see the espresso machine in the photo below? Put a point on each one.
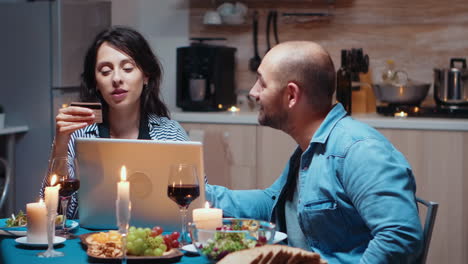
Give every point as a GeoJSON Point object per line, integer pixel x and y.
{"type": "Point", "coordinates": [205, 77]}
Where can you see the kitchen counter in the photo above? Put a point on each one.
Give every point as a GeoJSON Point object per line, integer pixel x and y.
{"type": "Point", "coordinates": [372, 119]}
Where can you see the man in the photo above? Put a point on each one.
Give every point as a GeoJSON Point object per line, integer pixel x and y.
{"type": "Point", "coordinates": [346, 192]}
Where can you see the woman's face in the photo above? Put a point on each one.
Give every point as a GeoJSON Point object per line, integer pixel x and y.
{"type": "Point", "coordinates": [118, 78]}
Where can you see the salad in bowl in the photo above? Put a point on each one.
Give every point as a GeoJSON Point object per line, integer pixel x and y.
{"type": "Point", "coordinates": [235, 234]}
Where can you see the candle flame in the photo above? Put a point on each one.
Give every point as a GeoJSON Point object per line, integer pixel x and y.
{"type": "Point", "coordinates": [207, 204]}
{"type": "Point", "coordinates": [53, 180]}
{"type": "Point", "coordinates": [123, 174]}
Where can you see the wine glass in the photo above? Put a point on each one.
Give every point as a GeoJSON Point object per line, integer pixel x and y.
{"type": "Point", "coordinates": [183, 188]}
{"type": "Point", "coordinates": [66, 171]}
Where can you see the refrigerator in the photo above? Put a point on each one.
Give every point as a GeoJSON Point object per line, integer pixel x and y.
{"type": "Point", "coordinates": [42, 46]}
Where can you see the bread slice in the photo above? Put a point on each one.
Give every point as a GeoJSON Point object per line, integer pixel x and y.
{"type": "Point", "coordinates": [273, 254]}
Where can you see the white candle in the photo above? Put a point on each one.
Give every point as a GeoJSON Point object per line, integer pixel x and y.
{"type": "Point", "coordinates": [123, 201]}
{"type": "Point", "coordinates": [36, 214]}
{"type": "Point", "coordinates": [51, 195]}
{"type": "Point", "coordinates": [123, 186]}
{"type": "Point", "coordinates": [207, 218]}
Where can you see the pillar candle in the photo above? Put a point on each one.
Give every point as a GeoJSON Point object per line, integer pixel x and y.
{"type": "Point", "coordinates": [207, 218]}
{"type": "Point", "coordinates": [123, 186]}
{"type": "Point", "coordinates": [51, 195]}
{"type": "Point", "coordinates": [36, 222]}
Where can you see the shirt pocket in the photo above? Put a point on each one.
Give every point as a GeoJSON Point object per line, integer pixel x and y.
{"type": "Point", "coordinates": [324, 225]}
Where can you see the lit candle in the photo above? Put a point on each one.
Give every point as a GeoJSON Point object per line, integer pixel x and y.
{"type": "Point", "coordinates": [51, 195]}
{"type": "Point", "coordinates": [123, 186]}
{"type": "Point", "coordinates": [207, 218]}
{"type": "Point", "coordinates": [36, 222]}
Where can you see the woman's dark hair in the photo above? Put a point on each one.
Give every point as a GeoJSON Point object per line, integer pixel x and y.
{"type": "Point", "coordinates": [134, 45]}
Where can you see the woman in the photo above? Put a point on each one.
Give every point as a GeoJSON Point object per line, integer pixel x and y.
{"type": "Point", "coordinates": [124, 75]}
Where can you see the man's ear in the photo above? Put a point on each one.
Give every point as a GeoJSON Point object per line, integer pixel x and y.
{"type": "Point", "coordinates": [293, 93]}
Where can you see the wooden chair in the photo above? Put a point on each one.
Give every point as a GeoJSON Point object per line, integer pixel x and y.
{"type": "Point", "coordinates": [429, 222]}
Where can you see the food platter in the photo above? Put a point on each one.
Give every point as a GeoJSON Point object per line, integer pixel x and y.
{"type": "Point", "coordinates": [172, 255]}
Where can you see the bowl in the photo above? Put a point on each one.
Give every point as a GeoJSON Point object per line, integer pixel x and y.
{"type": "Point", "coordinates": [411, 93]}
{"type": "Point", "coordinates": [235, 234]}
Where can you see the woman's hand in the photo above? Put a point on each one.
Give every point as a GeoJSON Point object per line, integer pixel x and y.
{"type": "Point", "coordinates": [68, 120]}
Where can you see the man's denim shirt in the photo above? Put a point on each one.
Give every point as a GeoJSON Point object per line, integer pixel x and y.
{"type": "Point", "coordinates": [356, 196]}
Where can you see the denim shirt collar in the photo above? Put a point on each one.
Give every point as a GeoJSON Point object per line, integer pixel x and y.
{"type": "Point", "coordinates": [335, 115]}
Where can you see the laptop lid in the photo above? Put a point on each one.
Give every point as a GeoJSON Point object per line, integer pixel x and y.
{"type": "Point", "coordinates": [148, 164]}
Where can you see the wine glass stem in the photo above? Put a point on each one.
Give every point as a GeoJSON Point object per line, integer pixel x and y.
{"type": "Point", "coordinates": [124, 248]}
{"type": "Point", "coordinates": [64, 203]}
{"type": "Point", "coordinates": [50, 230]}
{"type": "Point", "coordinates": [183, 233]}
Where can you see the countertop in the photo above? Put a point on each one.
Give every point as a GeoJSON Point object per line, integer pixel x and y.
{"type": "Point", "coordinates": [372, 119]}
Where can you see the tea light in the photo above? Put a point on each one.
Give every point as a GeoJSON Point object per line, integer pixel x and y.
{"type": "Point", "coordinates": [51, 195]}
{"type": "Point", "coordinates": [233, 109]}
{"type": "Point", "coordinates": [36, 214]}
{"type": "Point", "coordinates": [207, 218]}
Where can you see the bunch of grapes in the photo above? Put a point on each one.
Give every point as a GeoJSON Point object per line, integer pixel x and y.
{"type": "Point", "coordinates": [150, 242]}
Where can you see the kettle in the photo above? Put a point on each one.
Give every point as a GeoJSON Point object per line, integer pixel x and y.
{"type": "Point", "coordinates": [451, 85]}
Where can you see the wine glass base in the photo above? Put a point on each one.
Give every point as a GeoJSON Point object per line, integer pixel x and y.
{"type": "Point", "coordinates": [50, 254]}
{"type": "Point", "coordinates": [65, 234]}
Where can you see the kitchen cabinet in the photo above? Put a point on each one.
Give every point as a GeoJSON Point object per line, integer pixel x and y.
{"type": "Point", "coordinates": [229, 153]}
{"type": "Point", "coordinates": [440, 160]}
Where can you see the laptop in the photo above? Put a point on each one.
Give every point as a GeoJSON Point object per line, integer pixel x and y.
{"type": "Point", "coordinates": [148, 164]}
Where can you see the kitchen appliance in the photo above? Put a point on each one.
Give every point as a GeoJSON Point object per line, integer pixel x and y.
{"type": "Point", "coordinates": [451, 85]}
{"type": "Point", "coordinates": [205, 77]}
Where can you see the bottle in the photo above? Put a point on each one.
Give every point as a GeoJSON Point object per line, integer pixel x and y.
{"type": "Point", "coordinates": [343, 83]}
{"type": "Point", "coordinates": [389, 74]}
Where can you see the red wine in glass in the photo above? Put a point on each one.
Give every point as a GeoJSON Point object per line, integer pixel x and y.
{"type": "Point", "coordinates": [69, 186]}
{"type": "Point", "coordinates": [183, 194]}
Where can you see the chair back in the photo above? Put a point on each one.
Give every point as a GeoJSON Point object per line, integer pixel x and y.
{"type": "Point", "coordinates": [429, 222]}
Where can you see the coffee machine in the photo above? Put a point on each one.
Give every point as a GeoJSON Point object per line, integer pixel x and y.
{"type": "Point", "coordinates": [205, 77]}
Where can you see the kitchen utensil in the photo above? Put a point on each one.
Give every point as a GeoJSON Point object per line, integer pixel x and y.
{"type": "Point", "coordinates": [412, 93]}
{"type": "Point", "coordinates": [272, 21]}
{"type": "Point", "coordinates": [255, 60]}
{"type": "Point", "coordinates": [451, 85]}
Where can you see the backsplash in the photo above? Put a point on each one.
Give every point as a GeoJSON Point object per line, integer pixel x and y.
{"type": "Point", "coordinates": [418, 35]}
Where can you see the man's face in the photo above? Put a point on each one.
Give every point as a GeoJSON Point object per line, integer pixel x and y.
{"type": "Point", "coordinates": [269, 94]}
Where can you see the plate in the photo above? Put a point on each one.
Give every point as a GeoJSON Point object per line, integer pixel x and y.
{"type": "Point", "coordinates": [24, 241]}
{"type": "Point", "coordinates": [279, 236]}
{"type": "Point", "coordinates": [171, 256]}
{"type": "Point", "coordinates": [21, 230]}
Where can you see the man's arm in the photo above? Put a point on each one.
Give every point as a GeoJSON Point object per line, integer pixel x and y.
{"type": "Point", "coordinates": [380, 184]}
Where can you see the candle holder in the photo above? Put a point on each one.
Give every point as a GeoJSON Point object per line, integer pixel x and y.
{"type": "Point", "coordinates": [124, 208]}
{"type": "Point", "coordinates": [50, 252]}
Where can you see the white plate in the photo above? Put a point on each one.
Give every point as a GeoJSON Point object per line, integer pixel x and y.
{"type": "Point", "coordinates": [279, 236]}
{"type": "Point", "coordinates": [24, 241]}
{"type": "Point", "coordinates": [21, 231]}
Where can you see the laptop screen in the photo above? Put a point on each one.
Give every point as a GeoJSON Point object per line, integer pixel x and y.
{"type": "Point", "coordinates": [148, 164]}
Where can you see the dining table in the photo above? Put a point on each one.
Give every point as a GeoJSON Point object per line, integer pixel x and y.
{"type": "Point", "coordinates": [75, 252]}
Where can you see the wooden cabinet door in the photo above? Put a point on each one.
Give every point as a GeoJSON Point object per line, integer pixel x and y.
{"type": "Point", "coordinates": [229, 153]}
{"type": "Point", "coordinates": [439, 160]}
{"type": "Point", "coordinates": [274, 148]}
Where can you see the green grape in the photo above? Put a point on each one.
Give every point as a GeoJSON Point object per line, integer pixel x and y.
{"type": "Point", "coordinates": [159, 239]}
{"type": "Point", "coordinates": [140, 232]}
{"type": "Point", "coordinates": [163, 247]}
{"type": "Point", "coordinates": [130, 247]}
{"type": "Point", "coordinates": [158, 252]}
{"type": "Point", "coordinates": [147, 230]}
{"type": "Point", "coordinates": [132, 229]}
{"type": "Point", "coordinates": [148, 252]}
{"type": "Point", "coordinates": [131, 237]}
